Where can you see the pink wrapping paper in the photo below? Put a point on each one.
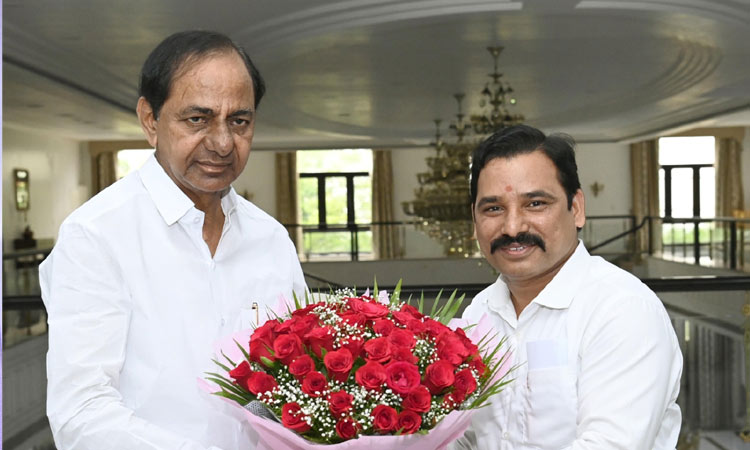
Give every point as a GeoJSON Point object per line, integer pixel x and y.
{"type": "Point", "coordinates": [274, 436]}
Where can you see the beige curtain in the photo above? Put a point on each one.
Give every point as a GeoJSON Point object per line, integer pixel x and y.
{"type": "Point", "coordinates": [644, 172]}
{"type": "Point", "coordinates": [729, 197]}
{"type": "Point", "coordinates": [104, 171]}
{"type": "Point", "coordinates": [287, 208]}
{"type": "Point", "coordinates": [385, 237]}
{"type": "Point", "coordinates": [728, 177]}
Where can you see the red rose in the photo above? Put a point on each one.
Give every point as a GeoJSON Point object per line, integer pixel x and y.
{"type": "Point", "coordinates": [301, 366]}
{"type": "Point", "coordinates": [260, 382]}
{"type": "Point", "coordinates": [320, 338]}
{"type": "Point", "coordinates": [378, 350]}
{"type": "Point", "coordinates": [314, 384]}
{"type": "Point", "coordinates": [407, 308]}
{"type": "Point", "coordinates": [384, 418]}
{"type": "Point", "coordinates": [354, 318]}
{"type": "Point", "coordinates": [293, 418]}
{"type": "Point", "coordinates": [383, 327]}
{"type": "Point", "coordinates": [354, 344]}
{"type": "Point", "coordinates": [402, 338]}
{"type": "Point", "coordinates": [339, 363]}
{"type": "Point", "coordinates": [451, 348]}
{"type": "Point", "coordinates": [287, 347]}
{"type": "Point", "coordinates": [416, 326]}
{"type": "Point", "coordinates": [371, 310]}
{"type": "Point", "coordinates": [418, 400]}
{"type": "Point", "coordinates": [340, 402]}
{"type": "Point", "coordinates": [261, 349]}
{"type": "Point", "coordinates": [403, 354]}
{"type": "Point", "coordinates": [265, 332]}
{"type": "Point", "coordinates": [438, 376]}
{"type": "Point", "coordinates": [240, 373]}
{"type": "Point", "coordinates": [347, 428]}
{"type": "Point", "coordinates": [304, 324]}
{"type": "Point", "coordinates": [477, 364]}
{"type": "Point", "coordinates": [454, 399]}
{"type": "Point", "coordinates": [465, 382]}
{"type": "Point", "coordinates": [401, 317]}
{"type": "Point", "coordinates": [434, 328]}
{"type": "Point", "coordinates": [402, 376]}
{"type": "Point", "coordinates": [371, 376]}
{"type": "Point", "coordinates": [470, 346]}
{"type": "Point", "coordinates": [409, 422]}
{"type": "Point", "coordinates": [304, 311]}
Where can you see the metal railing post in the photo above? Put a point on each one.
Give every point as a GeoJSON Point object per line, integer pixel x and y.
{"type": "Point", "coordinates": [733, 245]}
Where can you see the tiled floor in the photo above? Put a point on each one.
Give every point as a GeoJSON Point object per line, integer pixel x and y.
{"type": "Point", "coordinates": [722, 440]}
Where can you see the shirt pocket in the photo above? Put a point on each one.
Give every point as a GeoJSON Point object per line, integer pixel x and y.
{"type": "Point", "coordinates": [551, 410]}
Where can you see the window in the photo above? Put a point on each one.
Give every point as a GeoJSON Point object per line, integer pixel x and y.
{"type": "Point", "coordinates": [335, 197]}
{"type": "Point", "coordinates": [687, 183]}
{"type": "Point", "coordinates": [131, 160]}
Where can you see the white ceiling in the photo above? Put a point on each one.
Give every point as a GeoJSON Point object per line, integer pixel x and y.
{"type": "Point", "coordinates": [377, 72]}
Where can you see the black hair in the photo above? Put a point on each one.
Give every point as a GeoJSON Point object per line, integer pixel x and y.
{"type": "Point", "coordinates": [522, 139]}
{"type": "Point", "coordinates": [175, 51]}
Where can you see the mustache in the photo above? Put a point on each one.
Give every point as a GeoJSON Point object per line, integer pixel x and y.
{"type": "Point", "coordinates": [522, 238]}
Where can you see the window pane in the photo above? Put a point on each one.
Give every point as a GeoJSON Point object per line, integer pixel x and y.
{"type": "Point", "coordinates": [130, 160]}
{"type": "Point", "coordinates": [708, 188]}
{"type": "Point", "coordinates": [336, 201]}
{"type": "Point", "coordinates": [363, 199]}
{"type": "Point", "coordinates": [364, 239]}
{"type": "Point", "coordinates": [687, 150]}
{"type": "Point", "coordinates": [682, 192]}
{"type": "Point", "coordinates": [350, 160]}
{"type": "Point", "coordinates": [319, 242]}
{"type": "Point", "coordinates": [308, 199]}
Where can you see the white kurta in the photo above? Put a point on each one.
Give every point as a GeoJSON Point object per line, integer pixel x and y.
{"type": "Point", "coordinates": [598, 364]}
{"type": "Point", "coordinates": [135, 303]}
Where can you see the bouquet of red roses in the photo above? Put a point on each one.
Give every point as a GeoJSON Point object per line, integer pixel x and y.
{"type": "Point", "coordinates": [344, 366]}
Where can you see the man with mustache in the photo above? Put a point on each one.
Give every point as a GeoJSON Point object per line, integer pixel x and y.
{"type": "Point", "coordinates": [147, 275]}
{"type": "Point", "coordinates": [598, 362]}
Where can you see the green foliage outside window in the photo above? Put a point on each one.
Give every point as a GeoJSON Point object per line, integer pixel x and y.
{"type": "Point", "coordinates": [320, 161]}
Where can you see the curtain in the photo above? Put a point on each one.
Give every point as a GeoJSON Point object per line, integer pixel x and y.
{"type": "Point", "coordinates": [644, 173]}
{"type": "Point", "coordinates": [104, 170]}
{"type": "Point", "coordinates": [287, 209]}
{"type": "Point", "coordinates": [385, 237]}
{"type": "Point", "coordinates": [729, 198]}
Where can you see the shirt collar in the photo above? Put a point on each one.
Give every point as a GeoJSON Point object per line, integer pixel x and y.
{"type": "Point", "coordinates": [170, 201]}
{"type": "Point", "coordinates": [558, 294]}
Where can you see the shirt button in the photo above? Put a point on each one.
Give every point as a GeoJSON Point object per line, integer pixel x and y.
{"type": "Point", "coordinates": [213, 265]}
{"type": "Point", "coordinates": [505, 435]}
{"type": "Point", "coordinates": [223, 322]}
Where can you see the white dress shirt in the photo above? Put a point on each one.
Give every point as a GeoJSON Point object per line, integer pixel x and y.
{"type": "Point", "coordinates": [598, 364]}
{"type": "Point", "coordinates": [135, 303]}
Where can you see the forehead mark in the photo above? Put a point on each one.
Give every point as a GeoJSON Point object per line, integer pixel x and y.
{"type": "Point", "coordinates": [508, 188]}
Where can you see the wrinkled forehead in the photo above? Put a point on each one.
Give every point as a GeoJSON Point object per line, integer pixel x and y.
{"type": "Point", "coordinates": [195, 60]}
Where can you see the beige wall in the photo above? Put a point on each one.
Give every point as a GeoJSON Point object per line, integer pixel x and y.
{"type": "Point", "coordinates": [58, 181]}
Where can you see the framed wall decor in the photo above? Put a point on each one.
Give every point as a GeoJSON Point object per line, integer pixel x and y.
{"type": "Point", "coordinates": [21, 184]}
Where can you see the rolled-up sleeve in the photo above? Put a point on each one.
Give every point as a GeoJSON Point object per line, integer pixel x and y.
{"type": "Point", "coordinates": [630, 366]}
{"type": "Point", "coordinates": [89, 309]}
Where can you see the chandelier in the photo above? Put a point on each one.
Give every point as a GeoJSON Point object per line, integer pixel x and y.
{"type": "Point", "coordinates": [441, 207]}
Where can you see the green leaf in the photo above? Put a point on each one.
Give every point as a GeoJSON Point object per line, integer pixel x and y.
{"type": "Point", "coordinates": [242, 349]}
{"type": "Point", "coordinates": [375, 287]}
{"type": "Point", "coordinates": [227, 369]}
{"type": "Point", "coordinates": [435, 304]}
{"type": "Point", "coordinates": [268, 363]}
{"type": "Point", "coordinates": [396, 294]}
